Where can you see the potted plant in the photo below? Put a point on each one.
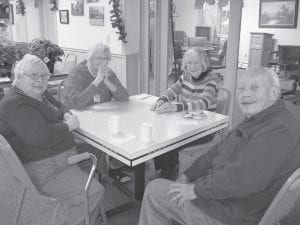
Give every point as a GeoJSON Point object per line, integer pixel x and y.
{"type": "Point", "coordinates": [47, 51]}
{"type": "Point", "coordinates": [9, 55]}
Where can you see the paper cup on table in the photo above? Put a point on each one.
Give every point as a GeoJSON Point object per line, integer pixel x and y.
{"type": "Point", "coordinates": [113, 124]}
{"type": "Point", "coordinates": [146, 130]}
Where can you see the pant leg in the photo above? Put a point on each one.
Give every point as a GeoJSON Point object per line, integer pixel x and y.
{"type": "Point", "coordinates": [167, 162]}
{"type": "Point", "coordinates": [55, 178]}
{"type": "Point", "coordinates": [157, 209]}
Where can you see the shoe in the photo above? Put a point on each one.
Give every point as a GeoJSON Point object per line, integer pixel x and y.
{"type": "Point", "coordinates": [119, 175]}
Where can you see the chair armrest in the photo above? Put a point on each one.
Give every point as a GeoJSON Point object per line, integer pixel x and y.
{"type": "Point", "coordinates": [78, 158]}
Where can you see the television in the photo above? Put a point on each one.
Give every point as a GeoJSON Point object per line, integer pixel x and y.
{"type": "Point", "coordinates": [201, 31]}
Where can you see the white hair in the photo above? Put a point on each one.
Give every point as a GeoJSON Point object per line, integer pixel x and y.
{"type": "Point", "coordinates": [202, 54]}
{"type": "Point", "coordinates": [25, 63]}
{"type": "Point", "coordinates": [98, 49]}
{"type": "Point", "coordinates": [272, 77]}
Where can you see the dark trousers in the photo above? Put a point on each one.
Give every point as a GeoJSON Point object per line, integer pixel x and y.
{"type": "Point", "coordinates": [169, 160]}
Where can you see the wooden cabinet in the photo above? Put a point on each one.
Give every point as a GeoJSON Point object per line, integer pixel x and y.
{"type": "Point", "coordinates": [260, 45]}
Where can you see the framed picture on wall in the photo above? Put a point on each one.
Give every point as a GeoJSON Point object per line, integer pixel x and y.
{"type": "Point", "coordinates": [91, 1]}
{"type": "Point", "coordinates": [278, 13]}
{"type": "Point", "coordinates": [96, 15]}
{"type": "Point", "coordinates": [64, 16]}
{"type": "Point", "coordinates": [77, 8]}
{"type": "Point", "coordinates": [4, 12]}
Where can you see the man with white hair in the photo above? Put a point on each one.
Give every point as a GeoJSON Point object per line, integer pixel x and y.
{"type": "Point", "coordinates": [234, 182]}
{"type": "Point", "coordinates": [92, 82]}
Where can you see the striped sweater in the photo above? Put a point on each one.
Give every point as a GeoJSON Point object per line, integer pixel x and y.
{"type": "Point", "coordinates": [194, 94]}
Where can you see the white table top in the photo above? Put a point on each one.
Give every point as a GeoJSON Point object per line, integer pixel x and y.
{"type": "Point", "coordinates": [171, 130]}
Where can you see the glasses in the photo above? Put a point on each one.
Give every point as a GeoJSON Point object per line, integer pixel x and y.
{"type": "Point", "coordinates": [37, 77]}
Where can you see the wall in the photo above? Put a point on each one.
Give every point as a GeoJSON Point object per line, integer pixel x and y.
{"type": "Point", "coordinates": [249, 24]}
{"type": "Point", "coordinates": [85, 33]}
{"type": "Point", "coordinates": [27, 27]}
{"type": "Point", "coordinates": [188, 18]}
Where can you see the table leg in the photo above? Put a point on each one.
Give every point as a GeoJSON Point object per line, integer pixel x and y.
{"type": "Point", "coordinates": [139, 186]}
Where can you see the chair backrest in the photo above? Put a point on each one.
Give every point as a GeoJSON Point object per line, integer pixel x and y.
{"type": "Point", "coordinates": [223, 53]}
{"type": "Point", "coordinates": [223, 101]}
{"type": "Point", "coordinates": [197, 41]}
{"type": "Point", "coordinates": [15, 166]}
{"type": "Point", "coordinates": [284, 201]}
{"type": "Point", "coordinates": [60, 86]}
{"type": "Point", "coordinates": [69, 62]}
{"type": "Point", "coordinates": [177, 50]}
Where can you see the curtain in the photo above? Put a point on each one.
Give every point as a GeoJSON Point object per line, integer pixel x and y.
{"type": "Point", "coordinates": [199, 3]}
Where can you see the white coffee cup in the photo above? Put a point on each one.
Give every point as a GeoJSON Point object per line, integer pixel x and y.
{"type": "Point", "coordinates": [146, 132]}
{"type": "Point", "coordinates": [113, 124]}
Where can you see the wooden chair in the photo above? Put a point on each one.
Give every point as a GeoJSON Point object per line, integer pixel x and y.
{"type": "Point", "coordinates": [188, 155]}
{"type": "Point", "coordinates": [284, 201]}
{"type": "Point", "coordinates": [218, 60]}
{"type": "Point", "coordinates": [51, 210]}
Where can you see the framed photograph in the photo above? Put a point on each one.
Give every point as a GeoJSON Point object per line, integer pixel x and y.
{"type": "Point", "coordinates": [96, 15]}
{"type": "Point", "coordinates": [91, 1]}
{"type": "Point", "coordinates": [64, 16]}
{"type": "Point", "coordinates": [278, 13]}
{"type": "Point", "coordinates": [77, 8]}
{"type": "Point", "coordinates": [4, 12]}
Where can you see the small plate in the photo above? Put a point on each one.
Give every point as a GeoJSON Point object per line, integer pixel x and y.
{"type": "Point", "coordinates": [199, 115]}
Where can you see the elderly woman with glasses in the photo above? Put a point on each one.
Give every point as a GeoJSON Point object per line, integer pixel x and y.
{"type": "Point", "coordinates": [39, 129]}
{"type": "Point", "coordinates": [92, 81]}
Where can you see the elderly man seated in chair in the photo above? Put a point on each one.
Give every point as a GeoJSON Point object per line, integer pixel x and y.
{"type": "Point", "coordinates": [234, 182]}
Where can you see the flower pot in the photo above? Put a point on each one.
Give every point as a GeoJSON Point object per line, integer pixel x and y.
{"type": "Point", "coordinates": [5, 72]}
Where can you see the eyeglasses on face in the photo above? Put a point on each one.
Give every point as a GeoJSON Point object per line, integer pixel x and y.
{"type": "Point", "coordinates": [37, 77]}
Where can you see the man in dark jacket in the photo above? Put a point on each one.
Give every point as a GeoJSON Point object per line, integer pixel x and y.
{"type": "Point", "coordinates": [235, 182]}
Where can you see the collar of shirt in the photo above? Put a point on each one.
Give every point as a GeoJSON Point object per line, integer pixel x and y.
{"type": "Point", "coordinates": [279, 105]}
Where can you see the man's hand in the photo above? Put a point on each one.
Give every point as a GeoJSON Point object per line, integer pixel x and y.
{"type": "Point", "coordinates": [156, 105]}
{"type": "Point", "coordinates": [102, 73]}
{"type": "Point", "coordinates": [167, 107]}
{"type": "Point", "coordinates": [182, 179]}
{"type": "Point", "coordinates": [72, 122]}
{"type": "Point", "coordinates": [67, 115]}
{"type": "Point", "coordinates": [181, 193]}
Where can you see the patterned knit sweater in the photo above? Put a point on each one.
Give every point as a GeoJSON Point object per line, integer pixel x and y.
{"type": "Point", "coordinates": [194, 94]}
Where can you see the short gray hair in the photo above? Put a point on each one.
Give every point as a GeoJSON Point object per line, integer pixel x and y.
{"type": "Point", "coordinates": [98, 49]}
{"type": "Point", "coordinates": [25, 63]}
{"type": "Point", "coordinates": [201, 53]}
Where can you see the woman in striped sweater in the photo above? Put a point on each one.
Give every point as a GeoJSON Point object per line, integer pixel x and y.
{"type": "Point", "coordinates": [195, 90]}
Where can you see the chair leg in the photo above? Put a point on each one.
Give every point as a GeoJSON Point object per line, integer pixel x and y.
{"type": "Point", "coordinates": [103, 215]}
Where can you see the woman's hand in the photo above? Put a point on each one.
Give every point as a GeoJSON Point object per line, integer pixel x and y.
{"type": "Point", "coordinates": [181, 193]}
{"type": "Point", "coordinates": [156, 105]}
{"type": "Point", "coordinates": [72, 122]}
{"type": "Point", "coordinates": [167, 107]}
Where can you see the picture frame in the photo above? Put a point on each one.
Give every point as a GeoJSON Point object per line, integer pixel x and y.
{"type": "Point", "coordinates": [77, 8]}
{"type": "Point", "coordinates": [96, 15]}
{"type": "Point", "coordinates": [64, 16]}
{"type": "Point", "coordinates": [278, 13]}
{"type": "Point", "coordinates": [5, 12]}
{"type": "Point", "coordinates": [91, 1]}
